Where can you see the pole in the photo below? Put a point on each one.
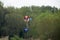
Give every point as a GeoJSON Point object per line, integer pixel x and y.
{"type": "Point", "coordinates": [27, 24]}
{"type": "Point", "coordinates": [26, 33]}
{"type": "Point", "coordinates": [26, 19]}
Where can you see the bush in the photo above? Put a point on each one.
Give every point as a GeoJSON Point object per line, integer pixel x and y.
{"type": "Point", "coordinates": [16, 38]}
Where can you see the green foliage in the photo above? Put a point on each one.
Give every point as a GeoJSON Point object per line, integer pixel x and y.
{"type": "Point", "coordinates": [45, 23]}
{"type": "Point", "coordinates": [16, 38]}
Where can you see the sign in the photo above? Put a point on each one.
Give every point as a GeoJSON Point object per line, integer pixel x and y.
{"type": "Point", "coordinates": [30, 19]}
{"type": "Point", "coordinates": [26, 18]}
{"type": "Point", "coordinates": [25, 29]}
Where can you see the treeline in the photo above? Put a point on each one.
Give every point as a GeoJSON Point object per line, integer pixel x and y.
{"type": "Point", "coordinates": [45, 21]}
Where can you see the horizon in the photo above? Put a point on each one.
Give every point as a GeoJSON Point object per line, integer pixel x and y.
{"type": "Point", "coordinates": [28, 3]}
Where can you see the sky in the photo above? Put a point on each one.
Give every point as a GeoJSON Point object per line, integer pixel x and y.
{"type": "Point", "coordinates": [21, 3]}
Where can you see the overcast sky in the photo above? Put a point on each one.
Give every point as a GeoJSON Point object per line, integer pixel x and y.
{"type": "Point", "coordinates": [20, 3]}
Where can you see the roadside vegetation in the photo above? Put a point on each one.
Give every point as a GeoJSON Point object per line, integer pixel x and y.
{"type": "Point", "coordinates": [45, 22]}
